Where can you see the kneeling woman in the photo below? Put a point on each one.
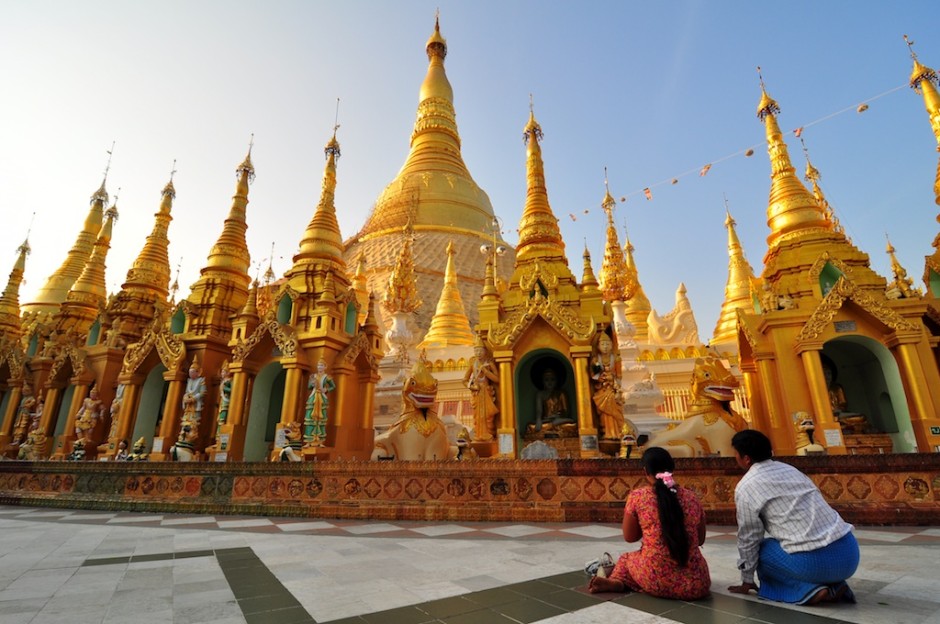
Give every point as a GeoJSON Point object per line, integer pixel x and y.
{"type": "Point", "coordinates": [671, 522]}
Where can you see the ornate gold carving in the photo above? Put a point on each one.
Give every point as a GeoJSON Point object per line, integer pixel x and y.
{"type": "Point", "coordinates": [284, 337]}
{"type": "Point", "coordinates": [844, 289]}
{"type": "Point", "coordinates": [359, 344]}
{"type": "Point", "coordinates": [170, 349]}
{"type": "Point", "coordinates": [564, 319]}
{"type": "Point", "coordinates": [816, 269]}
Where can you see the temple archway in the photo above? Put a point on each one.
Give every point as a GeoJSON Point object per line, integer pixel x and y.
{"type": "Point", "coordinates": [150, 407]}
{"type": "Point", "coordinates": [871, 381]}
{"type": "Point", "coordinates": [528, 375]}
{"type": "Point", "coordinates": [264, 412]}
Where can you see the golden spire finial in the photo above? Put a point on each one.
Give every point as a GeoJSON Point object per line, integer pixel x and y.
{"type": "Point", "coordinates": [169, 189]}
{"type": "Point", "coordinates": [322, 239]}
{"type": "Point", "coordinates": [269, 275]}
{"type": "Point", "coordinates": [10, 325]}
{"type": "Point", "coordinates": [246, 170]}
{"type": "Point", "coordinates": [791, 207]}
{"type": "Point", "coordinates": [401, 293]}
{"type": "Point", "coordinates": [813, 176]}
{"type": "Point", "coordinates": [449, 325]}
{"type": "Point", "coordinates": [588, 280]}
{"type": "Point", "coordinates": [903, 284]}
{"type": "Point", "coordinates": [539, 235]}
{"type": "Point", "coordinates": [175, 287]}
{"type": "Point", "coordinates": [615, 281]}
{"type": "Point", "coordinates": [737, 288]}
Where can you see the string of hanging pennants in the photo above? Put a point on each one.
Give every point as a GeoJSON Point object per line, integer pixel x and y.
{"type": "Point", "coordinates": [702, 171]}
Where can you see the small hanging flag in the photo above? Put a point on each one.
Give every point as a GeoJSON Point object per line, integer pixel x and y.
{"type": "Point", "coordinates": [705, 169]}
{"type": "Point", "coordinates": [623, 200]}
{"type": "Point", "coordinates": [749, 152]}
{"type": "Point", "coordinates": [586, 211]}
{"type": "Point", "coordinates": [798, 132]}
{"type": "Point", "coordinates": [648, 193]}
{"type": "Point", "coordinates": [573, 218]}
{"type": "Point", "coordinates": [862, 108]}
{"type": "Point", "coordinates": [675, 180]}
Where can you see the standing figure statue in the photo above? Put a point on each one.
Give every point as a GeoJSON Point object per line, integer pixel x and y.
{"type": "Point", "coordinates": [195, 393]}
{"type": "Point", "coordinates": [320, 385]}
{"type": "Point", "coordinates": [482, 379]}
{"type": "Point", "coordinates": [551, 404]}
{"type": "Point", "coordinates": [115, 411]}
{"type": "Point", "coordinates": [608, 395]}
{"type": "Point", "coordinates": [87, 417]}
{"type": "Point", "coordinates": [225, 397]}
{"type": "Point", "coordinates": [23, 414]}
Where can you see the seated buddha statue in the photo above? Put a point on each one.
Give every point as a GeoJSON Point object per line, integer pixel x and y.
{"type": "Point", "coordinates": [851, 422]}
{"type": "Point", "coordinates": [551, 404]}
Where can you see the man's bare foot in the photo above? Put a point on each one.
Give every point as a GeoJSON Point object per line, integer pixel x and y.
{"type": "Point", "coordinates": [601, 585]}
{"type": "Point", "coordinates": [822, 595]}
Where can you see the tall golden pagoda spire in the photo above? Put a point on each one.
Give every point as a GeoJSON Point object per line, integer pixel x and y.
{"type": "Point", "coordinates": [90, 291]}
{"type": "Point", "coordinates": [450, 198]}
{"type": "Point", "coordinates": [57, 286]}
{"type": "Point", "coordinates": [360, 284]}
{"type": "Point", "coordinates": [433, 189]}
{"type": "Point", "coordinates": [539, 236]}
{"type": "Point", "coordinates": [614, 282]}
{"type": "Point", "coordinates": [588, 280]}
{"type": "Point", "coordinates": [449, 325]}
{"type": "Point", "coordinates": [10, 327]}
{"type": "Point", "coordinates": [924, 81]}
{"type": "Point", "coordinates": [148, 279]}
{"type": "Point", "coordinates": [737, 288]}
{"type": "Point", "coordinates": [322, 240]}
{"type": "Point", "coordinates": [792, 208]}
{"type": "Point", "coordinates": [401, 293]}
{"type": "Point", "coordinates": [638, 304]}
{"type": "Point", "coordinates": [222, 286]}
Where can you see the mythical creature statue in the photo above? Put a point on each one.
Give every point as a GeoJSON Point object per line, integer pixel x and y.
{"type": "Point", "coordinates": [709, 422]}
{"type": "Point", "coordinates": [418, 434]}
{"type": "Point", "coordinates": [185, 448]}
{"type": "Point", "coordinates": [293, 445]}
{"type": "Point", "coordinates": [805, 428]}
{"type": "Point", "coordinates": [33, 447]}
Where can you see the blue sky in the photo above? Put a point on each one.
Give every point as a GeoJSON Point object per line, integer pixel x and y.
{"type": "Point", "coordinates": [651, 90]}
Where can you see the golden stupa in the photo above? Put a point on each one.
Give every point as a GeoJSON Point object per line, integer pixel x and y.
{"type": "Point", "coordinates": [435, 191]}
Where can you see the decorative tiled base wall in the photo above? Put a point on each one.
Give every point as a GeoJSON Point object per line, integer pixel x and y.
{"type": "Point", "coordinates": [866, 489]}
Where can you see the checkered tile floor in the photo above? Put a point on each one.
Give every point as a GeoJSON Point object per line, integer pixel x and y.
{"type": "Point", "coordinates": [461, 530]}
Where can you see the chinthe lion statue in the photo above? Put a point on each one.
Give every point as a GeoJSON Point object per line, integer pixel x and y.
{"type": "Point", "coordinates": [709, 422]}
{"type": "Point", "coordinates": [418, 434]}
{"type": "Point", "coordinates": [293, 444]}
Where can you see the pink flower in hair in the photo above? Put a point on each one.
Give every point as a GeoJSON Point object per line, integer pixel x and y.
{"type": "Point", "coordinates": [666, 478]}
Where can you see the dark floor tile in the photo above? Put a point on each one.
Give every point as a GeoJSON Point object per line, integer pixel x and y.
{"type": "Point", "coordinates": [268, 603]}
{"type": "Point", "coordinates": [280, 616]}
{"type": "Point", "coordinates": [484, 616]}
{"type": "Point", "coordinates": [532, 588]}
{"type": "Point", "coordinates": [529, 610]}
{"type": "Point", "coordinates": [257, 590]}
{"type": "Point", "coordinates": [827, 614]}
{"type": "Point", "coordinates": [570, 600]}
{"type": "Point", "coordinates": [349, 620]}
{"type": "Point", "coordinates": [692, 614]}
{"type": "Point", "coordinates": [568, 580]}
{"type": "Point", "coordinates": [733, 604]}
{"type": "Point", "coordinates": [402, 615]}
{"type": "Point", "coordinates": [186, 554]}
{"type": "Point", "coordinates": [106, 561]}
{"type": "Point", "coordinates": [495, 596]}
{"type": "Point", "coordinates": [447, 607]}
{"type": "Point", "coordinates": [647, 603]}
{"type": "Point", "coordinates": [151, 557]}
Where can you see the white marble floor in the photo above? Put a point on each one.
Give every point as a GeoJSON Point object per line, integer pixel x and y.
{"type": "Point", "coordinates": [77, 567]}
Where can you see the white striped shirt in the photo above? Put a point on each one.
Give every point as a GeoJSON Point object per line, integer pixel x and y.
{"type": "Point", "coordinates": [778, 499]}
